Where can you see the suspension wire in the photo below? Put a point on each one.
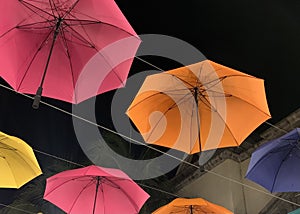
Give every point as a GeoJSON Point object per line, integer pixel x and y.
{"type": "Point", "coordinates": [149, 63]}
{"type": "Point", "coordinates": [159, 190]}
{"type": "Point", "coordinates": [276, 127]}
{"type": "Point", "coordinates": [15, 208]}
{"type": "Point", "coordinates": [253, 188]}
{"type": "Point", "coordinates": [58, 158]}
{"type": "Point", "coordinates": [144, 144]}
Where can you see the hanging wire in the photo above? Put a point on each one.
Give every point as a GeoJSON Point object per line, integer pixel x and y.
{"type": "Point", "coordinates": [159, 190]}
{"type": "Point", "coordinates": [136, 141]}
{"type": "Point", "coordinates": [155, 149]}
{"type": "Point", "coordinates": [149, 63]}
{"type": "Point", "coordinates": [58, 158]}
{"type": "Point", "coordinates": [15, 208]}
{"type": "Point", "coordinates": [276, 127]}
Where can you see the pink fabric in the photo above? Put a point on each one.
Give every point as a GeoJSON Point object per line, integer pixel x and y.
{"type": "Point", "coordinates": [74, 191]}
{"type": "Point", "coordinates": [22, 63]}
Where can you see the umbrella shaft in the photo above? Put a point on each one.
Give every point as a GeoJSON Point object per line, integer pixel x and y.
{"type": "Point", "coordinates": [56, 31]}
{"type": "Point", "coordinates": [39, 91]}
{"type": "Point", "coordinates": [196, 92]}
{"type": "Point", "coordinates": [97, 186]}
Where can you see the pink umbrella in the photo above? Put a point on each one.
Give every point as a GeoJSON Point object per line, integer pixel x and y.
{"type": "Point", "coordinates": [95, 189]}
{"type": "Point", "coordinates": [45, 45]}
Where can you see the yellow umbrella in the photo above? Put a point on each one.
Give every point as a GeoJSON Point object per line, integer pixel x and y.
{"type": "Point", "coordinates": [199, 107]}
{"type": "Point", "coordinates": [18, 163]}
{"type": "Point", "coordinates": [191, 206]}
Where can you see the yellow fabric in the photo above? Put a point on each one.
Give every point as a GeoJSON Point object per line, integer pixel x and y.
{"type": "Point", "coordinates": [231, 105]}
{"type": "Point", "coordinates": [18, 163]}
{"type": "Point", "coordinates": [196, 205]}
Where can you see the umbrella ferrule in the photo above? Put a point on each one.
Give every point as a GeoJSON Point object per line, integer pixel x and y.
{"type": "Point", "coordinates": [37, 98]}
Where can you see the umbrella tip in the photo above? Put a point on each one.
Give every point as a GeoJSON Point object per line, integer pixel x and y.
{"type": "Point", "coordinates": [37, 98]}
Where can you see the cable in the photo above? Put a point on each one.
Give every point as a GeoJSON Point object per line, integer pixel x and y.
{"type": "Point", "coordinates": [251, 187]}
{"type": "Point", "coordinates": [58, 158]}
{"type": "Point", "coordinates": [138, 142]}
{"type": "Point", "coordinates": [148, 63]}
{"type": "Point", "coordinates": [276, 127]}
{"type": "Point", "coordinates": [11, 207]}
{"type": "Point", "coordinates": [77, 164]}
{"type": "Point", "coordinates": [159, 190]}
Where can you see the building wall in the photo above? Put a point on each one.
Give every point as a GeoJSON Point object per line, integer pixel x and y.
{"type": "Point", "coordinates": [228, 193]}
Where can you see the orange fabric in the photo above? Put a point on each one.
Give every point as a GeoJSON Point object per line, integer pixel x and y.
{"type": "Point", "coordinates": [231, 105]}
{"type": "Point", "coordinates": [198, 206]}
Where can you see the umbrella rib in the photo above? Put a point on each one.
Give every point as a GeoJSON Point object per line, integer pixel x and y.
{"type": "Point", "coordinates": [67, 181]}
{"type": "Point", "coordinates": [260, 160]}
{"type": "Point", "coordinates": [250, 104]}
{"type": "Point", "coordinates": [275, 178]}
{"type": "Point", "coordinates": [97, 51]}
{"type": "Point", "coordinates": [90, 42]}
{"type": "Point", "coordinates": [5, 145]}
{"type": "Point", "coordinates": [164, 113]}
{"type": "Point", "coordinates": [179, 79]}
{"type": "Point", "coordinates": [87, 35]}
{"type": "Point", "coordinates": [215, 110]}
{"type": "Point", "coordinates": [70, 61]}
{"type": "Point", "coordinates": [215, 81]}
{"type": "Point", "coordinates": [70, 9]}
{"type": "Point", "coordinates": [76, 36]}
{"type": "Point", "coordinates": [221, 94]}
{"type": "Point", "coordinates": [13, 175]}
{"type": "Point", "coordinates": [33, 58]}
{"type": "Point", "coordinates": [79, 36]}
{"type": "Point", "coordinates": [12, 149]}
{"type": "Point", "coordinates": [128, 196]}
{"type": "Point", "coordinates": [152, 95]}
{"type": "Point", "coordinates": [239, 97]}
{"type": "Point", "coordinates": [157, 93]}
{"type": "Point", "coordinates": [77, 197]}
{"type": "Point", "coordinates": [198, 77]}
{"type": "Point", "coordinates": [26, 161]}
{"type": "Point", "coordinates": [30, 166]}
{"type": "Point", "coordinates": [12, 28]}
{"type": "Point", "coordinates": [83, 22]}
{"type": "Point", "coordinates": [53, 7]}
{"type": "Point", "coordinates": [28, 5]}
{"type": "Point", "coordinates": [101, 22]}
{"type": "Point", "coordinates": [35, 23]}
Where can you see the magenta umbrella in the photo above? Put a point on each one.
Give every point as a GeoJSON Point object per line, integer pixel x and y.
{"type": "Point", "coordinates": [46, 44]}
{"type": "Point", "coordinates": [95, 189]}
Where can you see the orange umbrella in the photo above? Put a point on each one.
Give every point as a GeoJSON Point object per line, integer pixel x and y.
{"type": "Point", "coordinates": [199, 107]}
{"type": "Point", "coordinates": [191, 206]}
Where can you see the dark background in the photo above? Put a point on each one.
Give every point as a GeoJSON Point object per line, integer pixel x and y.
{"type": "Point", "coordinates": [260, 38]}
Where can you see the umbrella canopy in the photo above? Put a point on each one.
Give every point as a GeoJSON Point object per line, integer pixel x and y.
{"type": "Point", "coordinates": [199, 107]}
{"type": "Point", "coordinates": [95, 189]}
{"type": "Point", "coordinates": [191, 206]}
{"type": "Point", "coordinates": [17, 162]}
{"type": "Point", "coordinates": [275, 165]}
{"type": "Point", "coordinates": [297, 211]}
{"type": "Point", "coordinates": [46, 44]}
